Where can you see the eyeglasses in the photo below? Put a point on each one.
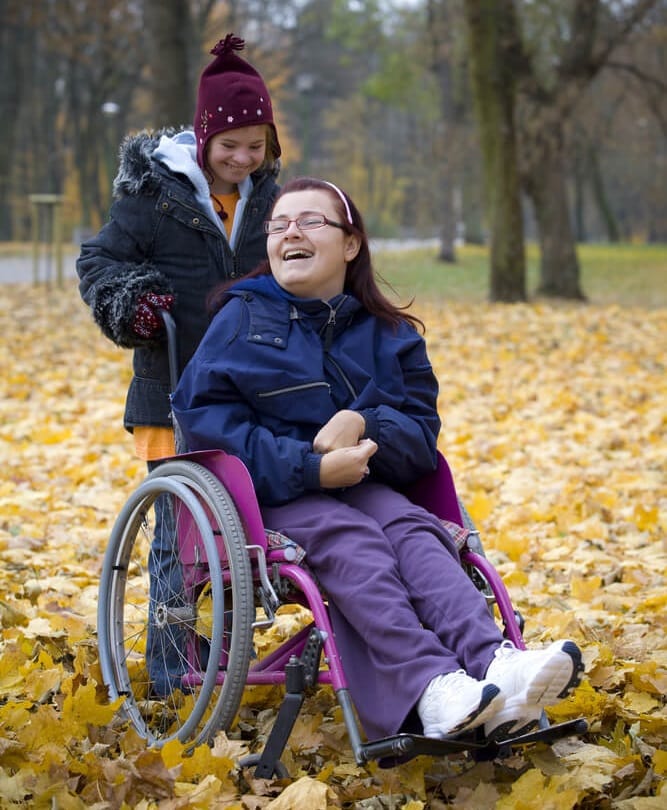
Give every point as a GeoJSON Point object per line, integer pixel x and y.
{"type": "Point", "coordinates": [306, 222]}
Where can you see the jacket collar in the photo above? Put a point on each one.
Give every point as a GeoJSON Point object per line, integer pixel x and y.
{"type": "Point", "coordinates": [272, 309]}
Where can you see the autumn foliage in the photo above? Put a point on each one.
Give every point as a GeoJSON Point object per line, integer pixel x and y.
{"type": "Point", "coordinates": [554, 424]}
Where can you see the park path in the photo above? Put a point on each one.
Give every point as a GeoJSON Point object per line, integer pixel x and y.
{"type": "Point", "coordinates": [19, 269]}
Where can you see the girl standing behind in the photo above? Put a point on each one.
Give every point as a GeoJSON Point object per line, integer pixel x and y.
{"type": "Point", "coordinates": [188, 215]}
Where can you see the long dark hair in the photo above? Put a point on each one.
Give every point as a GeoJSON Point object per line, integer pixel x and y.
{"type": "Point", "coordinates": [361, 280]}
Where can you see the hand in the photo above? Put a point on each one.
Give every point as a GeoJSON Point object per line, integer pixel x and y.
{"type": "Point", "coordinates": [344, 429]}
{"type": "Point", "coordinates": [346, 466]}
{"type": "Point", "coordinates": [147, 322]}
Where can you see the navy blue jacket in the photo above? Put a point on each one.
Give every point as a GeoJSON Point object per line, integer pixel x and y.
{"type": "Point", "coordinates": [273, 368]}
{"type": "Point", "coordinates": [163, 236]}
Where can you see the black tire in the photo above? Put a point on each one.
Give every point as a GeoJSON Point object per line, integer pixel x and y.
{"type": "Point", "coordinates": [198, 622]}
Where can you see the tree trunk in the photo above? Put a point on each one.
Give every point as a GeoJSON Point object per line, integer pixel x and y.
{"type": "Point", "coordinates": [446, 208]}
{"type": "Point", "coordinates": [579, 174]}
{"type": "Point", "coordinates": [440, 21]}
{"type": "Point", "coordinates": [447, 250]}
{"type": "Point", "coordinates": [559, 265]}
{"type": "Point", "coordinates": [492, 32]}
{"type": "Point", "coordinates": [16, 45]}
{"type": "Point", "coordinates": [600, 196]}
{"type": "Point", "coordinates": [172, 88]}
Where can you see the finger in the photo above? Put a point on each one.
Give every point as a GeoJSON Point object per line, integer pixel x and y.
{"type": "Point", "coordinates": [368, 446]}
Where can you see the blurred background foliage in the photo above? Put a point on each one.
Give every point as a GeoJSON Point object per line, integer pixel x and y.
{"type": "Point", "coordinates": [455, 119]}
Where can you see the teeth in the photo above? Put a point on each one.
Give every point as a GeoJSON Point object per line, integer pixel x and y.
{"type": "Point", "coordinates": [296, 254]}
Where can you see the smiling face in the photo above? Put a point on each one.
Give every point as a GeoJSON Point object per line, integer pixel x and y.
{"type": "Point", "coordinates": [311, 263]}
{"type": "Point", "coordinates": [232, 155]}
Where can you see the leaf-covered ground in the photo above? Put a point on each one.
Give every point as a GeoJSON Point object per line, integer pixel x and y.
{"type": "Point", "coordinates": [554, 422]}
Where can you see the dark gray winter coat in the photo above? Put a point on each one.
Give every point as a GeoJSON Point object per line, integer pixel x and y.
{"type": "Point", "coordinates": [163, 236]}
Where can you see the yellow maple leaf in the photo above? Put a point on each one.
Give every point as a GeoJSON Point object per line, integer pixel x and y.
{"type": "Point", "coordinates": [41, 682]}
{"type": "Point", "coordinates": [584, 702]}
{"type": "Point", "coordinates": [81, 707]}
{"type": "Point", "coordinates": [305, 792]}
{"type": "Point", "coordinates": [645, 516]}
{"type": "Point", "coordinates": [480, 506]}
{"type": "Point", "coordinates": [533, 790]}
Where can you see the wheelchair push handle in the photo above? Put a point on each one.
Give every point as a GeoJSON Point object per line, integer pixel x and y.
{"type": "Point", "coordinates": [172, 347]}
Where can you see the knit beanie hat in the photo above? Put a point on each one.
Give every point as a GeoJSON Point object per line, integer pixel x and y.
{"type": "Point", "coordinates": [231, 94]}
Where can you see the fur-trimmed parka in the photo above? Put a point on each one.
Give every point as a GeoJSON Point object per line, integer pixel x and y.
{"type": "Point", "coordinates": [163, 236]}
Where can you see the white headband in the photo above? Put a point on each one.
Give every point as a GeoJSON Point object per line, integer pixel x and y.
{"type": "Point", "coordinates": [343, 198]}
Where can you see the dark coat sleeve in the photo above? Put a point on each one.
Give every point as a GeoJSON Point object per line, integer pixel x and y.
{"type": "Point", "coordinates": [114, 269]}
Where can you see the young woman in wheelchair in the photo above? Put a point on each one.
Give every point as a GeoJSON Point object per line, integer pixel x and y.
{"type": "Point", "coordinates": [324, 389]}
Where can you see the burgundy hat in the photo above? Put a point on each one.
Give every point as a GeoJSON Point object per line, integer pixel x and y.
{"type": "Point", "coordinates": [231, 94]}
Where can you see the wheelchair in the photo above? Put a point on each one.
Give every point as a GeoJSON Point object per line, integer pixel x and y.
{"type": "Point", "coordinates": [225, 580]}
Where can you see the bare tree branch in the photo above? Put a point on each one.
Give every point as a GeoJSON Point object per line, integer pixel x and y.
{"type": "Point", "coordinates": [638, 73]}
{"type": "Point", "coordinates": [618, 34]}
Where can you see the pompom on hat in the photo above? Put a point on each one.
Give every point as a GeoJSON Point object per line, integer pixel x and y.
{"type": "Point", "coordinates": [231, 94]}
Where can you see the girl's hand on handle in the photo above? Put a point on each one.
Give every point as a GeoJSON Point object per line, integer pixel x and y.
{"type": "Point", "coordinates": [147, 321]}
{"type": "Point", "coordinates": [346, 466]}
{"type": "Point", "coordinates": [344, 429]}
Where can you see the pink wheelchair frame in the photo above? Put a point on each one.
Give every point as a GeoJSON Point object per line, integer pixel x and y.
{"type": "Point", "coordinates": [308, 658]}
{"type": "Point", "coordinates": [296, 663]}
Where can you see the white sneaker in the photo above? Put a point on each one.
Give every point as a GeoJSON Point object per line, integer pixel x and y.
{"type": "Point", "coordinates": [455, 702]}
{"type": "Point", "coordinates": [530, 680]}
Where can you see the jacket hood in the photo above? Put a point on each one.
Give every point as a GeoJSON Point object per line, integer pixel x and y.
{"type": "Point", "coordinates": [137, 171]}
{"type": "Point", "coordinates": [139, 168]}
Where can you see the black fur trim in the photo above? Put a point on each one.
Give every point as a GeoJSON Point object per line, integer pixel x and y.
{"type": "Point", "coordinates": [114, 301]}
{"type": "Point", "coordinates": [137, 172]}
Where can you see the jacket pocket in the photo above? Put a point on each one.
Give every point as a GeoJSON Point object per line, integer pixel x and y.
{"type": "Point", "coordinates": [293, 389]}
{"type": "Point", "coordinates": [298, 410]}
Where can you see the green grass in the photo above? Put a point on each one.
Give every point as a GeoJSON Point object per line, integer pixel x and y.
{"type": "Point", "coordinates": [626, 274]}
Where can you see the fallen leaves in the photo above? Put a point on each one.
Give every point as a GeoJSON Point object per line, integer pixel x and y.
{"type": "Point", "coordinates": [554, 423]}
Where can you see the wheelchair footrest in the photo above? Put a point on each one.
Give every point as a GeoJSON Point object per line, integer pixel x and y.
{"type": "Point", "coordinates": [550, 734]}
{"type": "Point", "coordinates": [398, 748]}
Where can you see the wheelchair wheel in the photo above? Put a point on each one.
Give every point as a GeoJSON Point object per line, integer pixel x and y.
{"type": "Point", "coordinates": [176, 606]}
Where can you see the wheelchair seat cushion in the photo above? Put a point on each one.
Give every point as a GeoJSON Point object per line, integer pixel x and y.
{"type": "Point", "coordinates": [459, 534]}
{"type": "Point", "coordinates": [293, 551]}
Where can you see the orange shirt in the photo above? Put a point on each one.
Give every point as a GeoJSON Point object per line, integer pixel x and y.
{"type": "Point", "coordinates": [151, 443]}
{"type": "Point", "coordinates": [226, 203]}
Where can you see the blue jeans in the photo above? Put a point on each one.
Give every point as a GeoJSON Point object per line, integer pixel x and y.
{"type": "Point", "coordinates": [166, 640]}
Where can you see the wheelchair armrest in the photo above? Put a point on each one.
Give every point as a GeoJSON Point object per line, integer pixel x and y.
{"type": "Point", "coordinates": [436, 492]}
{"type": "Point", "coordinates": [234, 475]}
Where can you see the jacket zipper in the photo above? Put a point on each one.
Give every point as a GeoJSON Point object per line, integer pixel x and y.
{"type": "Point", "coordinates": [344, 377]}
{"type": "Point", "coordinates": [328, 340]}
{"type": "Point", "coordinates": [290, 389]}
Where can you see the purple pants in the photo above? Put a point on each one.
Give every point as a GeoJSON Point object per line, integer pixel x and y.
{"type": "Point", "coordinates": [402, 607]}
